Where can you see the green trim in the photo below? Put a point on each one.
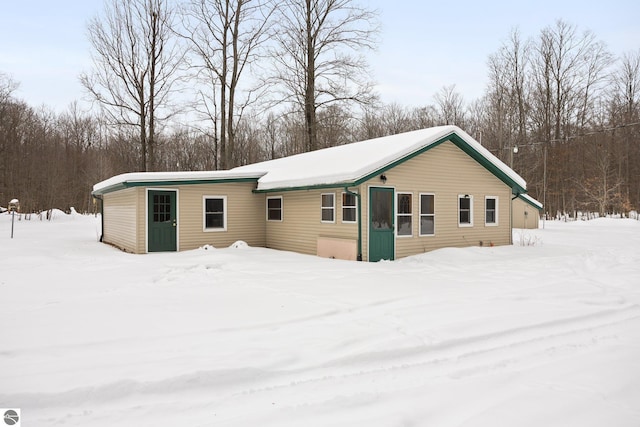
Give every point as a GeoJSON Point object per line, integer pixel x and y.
{"type": "Point", "coordinates": [129, 184]}
{"type": "Point", "coordinates": [306, 187]}
{"type": "Point", "coordinates": [529, 203]}
{"type": "Point", "coordinates": [464, 146]}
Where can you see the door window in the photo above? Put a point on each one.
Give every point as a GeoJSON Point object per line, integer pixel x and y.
{"type": "Point", "coordinates": [382, 215]}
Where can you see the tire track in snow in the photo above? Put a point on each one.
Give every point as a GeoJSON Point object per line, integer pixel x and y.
{"type": "Point", "coordinates": [451, 358]}
{"type": "Point", "coordinates": [536, 338]}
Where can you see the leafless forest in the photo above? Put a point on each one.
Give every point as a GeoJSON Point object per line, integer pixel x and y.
{"type": "Point", "coordinates": [211, 84]}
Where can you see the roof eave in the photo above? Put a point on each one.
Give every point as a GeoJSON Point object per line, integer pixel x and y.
{"type": "Point", "coordinates": [341, 184]}
{"type": "Point", "coordinates": [532, 203]}
{"type": "Point", "coordinates": [165, 183]}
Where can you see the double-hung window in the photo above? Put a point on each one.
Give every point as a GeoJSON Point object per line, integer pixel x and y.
{"type": "Point", "coordinates": [491, 210]}
{"type": "Point", "coordinates": [215, 213]}
{"type": "Point", "coordinates": [465, 210]}
{"type": "Point", "coordinates": [328, 207]}
{"type": "Point", "coordinates": [427, 215]}
{"type": "Point", "coordinates": [404, 215]}
{"type": "Point", "coordinates": [274, 208]}
{"type": "Point", "coordinates": [349, 207]}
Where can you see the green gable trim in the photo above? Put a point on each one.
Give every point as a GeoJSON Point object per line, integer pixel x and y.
{"type": "Point", "coordinates": [130, 184]}
{"type": "Point", "coordinates": [527, 201]}
{"type": "Point", "coordinates": [462, 144]}
{"type": "Point", "coordinates": [516, 188]}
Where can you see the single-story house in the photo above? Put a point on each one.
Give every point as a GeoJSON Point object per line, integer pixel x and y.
{"type": "Point", "coordinates": [383, 198]}
{"type": "Point", "coordinates": [526, 212]}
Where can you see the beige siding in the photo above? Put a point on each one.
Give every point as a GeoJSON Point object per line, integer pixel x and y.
{"type": "Point", "coordinates": [142, 220]}
{"type": "Point", "coordinates": [301, 224]}
{"type": "Point", "coordinates": [125, 216]}
{"type": "Point", "coordinates": [445, 171]}
{"type": "Point", "coordinates": [245, 215]}
{"type": "Point", "coordinates": [525, 215]}
{"type": "Point", "coordinates": [121, 211]}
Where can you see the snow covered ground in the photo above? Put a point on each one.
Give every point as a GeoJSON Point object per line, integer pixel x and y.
{"type": "Point", "coordinates": [540, 335]}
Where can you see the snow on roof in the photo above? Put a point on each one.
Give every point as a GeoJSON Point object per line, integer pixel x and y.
{"type": "Point", "coordinates": [531, 200]}
{"type": "Point", "coordinates": [151, 177]}
{"type": "Point", "coordinates": [351, 162]}
{"type": "Point", "coordinates": [345, 164]}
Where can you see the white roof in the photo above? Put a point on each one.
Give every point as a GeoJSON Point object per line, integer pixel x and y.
{"type": "Point", "coordinates": [531, 200]}
{"type": "Point", "coordinates": [351, 162]}
{"type": "Point", "coordinates": [344, 164]}
{"type": "Point", "coordinates": [151, 177]}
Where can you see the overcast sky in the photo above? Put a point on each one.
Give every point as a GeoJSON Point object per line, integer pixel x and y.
{"type": "Point", "coordinates": [425, 45]}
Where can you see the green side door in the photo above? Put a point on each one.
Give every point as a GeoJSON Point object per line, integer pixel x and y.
{"type": "Point", "coordinates": [162, 221]}
{"type": "Point", "coordinates": [381, 224]}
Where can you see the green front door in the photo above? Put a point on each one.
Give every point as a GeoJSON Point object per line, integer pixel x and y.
{"type": "Point", "coordinates": [162, 224]}
{"type": "Point", "coordinates": [381, 225]}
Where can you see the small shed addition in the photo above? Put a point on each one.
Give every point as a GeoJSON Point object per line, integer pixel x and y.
{"type": "Point", "coordinates": [526, 212]}
{"type": "Point", "coordinates": [172, 211]}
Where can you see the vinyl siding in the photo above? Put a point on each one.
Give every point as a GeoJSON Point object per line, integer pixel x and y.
{"type": "Point", "coordinates": [445, 171]}
{"type": "Point", "coordinates": [301, 223]}
{"type": "Point", "coordinates": [520, 220]}
{"type": "Point", "coordinates": [245, 215]}
{"type": "Point", "coordinates": [120, 219]}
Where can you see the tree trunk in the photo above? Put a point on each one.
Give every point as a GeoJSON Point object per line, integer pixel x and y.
{"type": "Point", "coordinates": [309, 96]}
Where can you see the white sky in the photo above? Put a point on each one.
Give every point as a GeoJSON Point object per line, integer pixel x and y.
{"type": "Point", "coordinates": [425, 45]}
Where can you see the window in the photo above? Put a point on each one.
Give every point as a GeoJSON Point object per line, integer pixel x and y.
{"type": "Point", "coordinates": [274, 208]}
{"type": "Point", "coordinates": [349, 207]}
{"type": "Point", "coordinates": [427, 215]}
{"type": "Point", "coordinates": [405, 223]}
{"type": "Point", "coordinates": [328, 207]}
{"type": "Point", "coordinates": [215, 213]}
{"type": "Point", "coordinates": [491, 210]}
{"type": "Point", "coordinates": [161, 208]}
{"type": "Point", "coordinates": [465, 210]}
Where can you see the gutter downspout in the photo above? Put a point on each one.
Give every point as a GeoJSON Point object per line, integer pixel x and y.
{"type": "Point", "coordinates": [346, 189]}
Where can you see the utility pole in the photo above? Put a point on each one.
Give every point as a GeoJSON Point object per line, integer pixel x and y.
{"type": "Point", "coordinates": [544, 186]}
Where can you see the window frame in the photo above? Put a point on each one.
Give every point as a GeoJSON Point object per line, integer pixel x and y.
{"type": "Point", "coordinates": [354, 207]}
{"type": "Point", "coordinates": [495, 213]}
{"type": "Point", "coordinates": [281, 208]}
{"type": "Point", "coordinates": [404, 215]}
{"type": "Point", "coordinates": [470, 198]}
{"type": "Point", "coordinates": [204, 214]}
{"type": "Point", "coordinates": [433, 215]}
{"type": "Point", "coordinates": [324, 208]}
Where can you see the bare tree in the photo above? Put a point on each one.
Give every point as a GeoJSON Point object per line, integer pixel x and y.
{"type": "Point", "coordinates": [8, 122]}
{"type": "Point", "coordinates": [601, 187]}
{"type": "Point", "coordinates": [136, 61]}
{"type": "Point", "coordinates": [449, 106]}
{"type": "Point", "coordinates": [568, 68]}
{"type": "Point", "coordinates": [272, 137]}
{"type": "Point", "coordinates": [7, 87]}
{"type": "Point", "coordinates": [318, 59]}
{"type": "Point", "coordinates": [625, 111]}
{"type": "Point", "coordinates": [226, 37]}
{"type": "Point", "coordinates": [506, 104]}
